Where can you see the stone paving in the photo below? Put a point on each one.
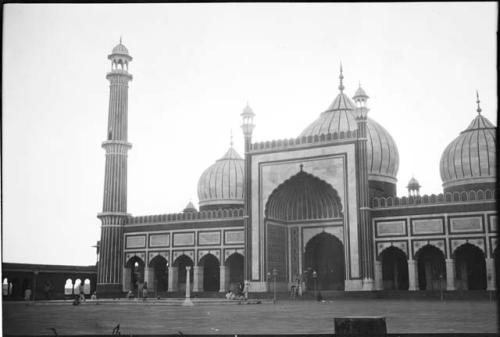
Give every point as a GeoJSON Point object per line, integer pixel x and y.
{"type": "Point", "coordinates": [295, 317]}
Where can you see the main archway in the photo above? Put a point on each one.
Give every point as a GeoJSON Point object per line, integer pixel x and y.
{"type": "Point", "coordinates": [302, 203]}
{"type": "Point", "coordinates": [324, 261]}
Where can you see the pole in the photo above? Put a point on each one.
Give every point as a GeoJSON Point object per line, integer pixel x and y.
{"type": "Point", "coordinates": [34, 287]}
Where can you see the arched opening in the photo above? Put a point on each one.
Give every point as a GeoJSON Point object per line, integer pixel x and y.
{"type": "Point", "coordinates": [394, 269]}
{"type": "Point", "coordinates": [470, 267]}
{"type": "Point", "coordinates": [136, 267]}
{"type": "Point", "coordinates": [5, 287]}
{"type": "Point", "coordinates": [68, 287]}
{"type": "Point", "coordinates": [235, 264]}
{"type": "Point", "coordinates": [76, 287]}
{"type": "Point", "coordinates": [211, 273]}
{"type": "Point", "coordinates": [181, 263]}
{"type": "Point", "coordinates": [86, 286]}
{"type": "Point", "coordinates": [301, 199]}
{"type": "Point", "coordinates": [325, 256]}
{"type": "Point", "coordinates": [431, 269]}
{"type": "Point", "coordinates": [160, 269]}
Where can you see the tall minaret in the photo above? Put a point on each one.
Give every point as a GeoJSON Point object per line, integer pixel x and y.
{"type": "Point", "coordinates": [114, 208]}
{"type": "Point", "coordinates": [364, 220]}
{"type": "Point", "coordinates": [247, 126]}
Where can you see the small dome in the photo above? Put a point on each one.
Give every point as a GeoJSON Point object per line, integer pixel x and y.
{"type": "Point", "coordinates": [471, 157]}
{"type": "Point", "coordinates": [413, 184]}
{"type": "Point", "coordinates": [120, 49]}
{"type": "Point", "coordinates": [360, 94]}
{"type": "Point", "coordinates": [222, 183]}
{"type": "Point", "coordinates": [190, 208]}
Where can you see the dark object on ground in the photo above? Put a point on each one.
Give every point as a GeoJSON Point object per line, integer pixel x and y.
{"type": "Point", "coordinates": [319, 298]}
{"type": "Point", "coordinates": [360, 326]}
{"type": "Point", "coordinates": [76, 301]}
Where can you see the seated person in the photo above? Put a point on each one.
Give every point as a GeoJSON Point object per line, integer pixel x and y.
{"type": "Point", "coordinates": [130, 294]}
{"type": "Point", "coordinates": [229, 294]}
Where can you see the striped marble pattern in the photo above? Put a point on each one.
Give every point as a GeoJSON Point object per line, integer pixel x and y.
{"type": "Point", "coordinates": [471, 157]}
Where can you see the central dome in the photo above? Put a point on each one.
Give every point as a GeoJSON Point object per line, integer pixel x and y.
{"type": "Point", "coordinates": [382, 153]}
{"type": "Point", "coordinates": [221, 185]}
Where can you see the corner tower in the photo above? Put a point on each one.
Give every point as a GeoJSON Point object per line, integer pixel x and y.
{"type": "Point", "coordinates": [114, 208]}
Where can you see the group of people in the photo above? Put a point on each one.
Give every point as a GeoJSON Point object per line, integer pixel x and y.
{"type": "Point", "coordinates": [130, 294]}
{"type": "Point", "coordinates": [241, 293]}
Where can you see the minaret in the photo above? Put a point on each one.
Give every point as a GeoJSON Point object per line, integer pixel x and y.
{"type": "Point", "coordinates": [247, 126]}
{"type": "Point", "coordinates": [365, 230]}
{"type": "Point", "coordinates": [114, 208]}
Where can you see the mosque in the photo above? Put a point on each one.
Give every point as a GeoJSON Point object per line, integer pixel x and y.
{"type": "Point", "coordinates": [319, 211]}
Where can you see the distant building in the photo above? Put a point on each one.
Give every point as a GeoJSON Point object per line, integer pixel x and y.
{"type": "Point", "coordinates": [320, 208]}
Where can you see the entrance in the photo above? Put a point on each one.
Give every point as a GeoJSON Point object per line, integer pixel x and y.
{"type": "Point", "coordinates": [325, 256]}
{"type": "Point", "coordinates": [431, 269]}
{"type": "Point", "coordinates": [211, 273]}
{"type": "Point", "coordinates": [159, 266]}
{"type": "Point", "coordinates": [470, 266]}
{"type": "Point", "coordinates": [394, 269]}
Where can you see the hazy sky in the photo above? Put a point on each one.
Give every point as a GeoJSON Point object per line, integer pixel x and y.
{"type": "Point", "coordinates": [195, 66]}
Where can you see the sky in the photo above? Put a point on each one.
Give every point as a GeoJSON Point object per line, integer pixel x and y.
{"type": "Point", "coordinates": [195, 67]}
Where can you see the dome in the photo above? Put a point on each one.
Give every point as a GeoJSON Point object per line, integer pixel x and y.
{"type": "Point", "coordinates": [413, 184]}
{"type": "Point", "coordinates": [382, 153]}
{"type": "Point", "coordinates": [360, 94]}
{"type": "Point", "coordinates": [120, 49]}
{"type": "Point", "coordinates": [471, 157]}
{"type": "Point", "coordinates": [222, 183]}
{"type": "Point", "coordinates": [190, 208]}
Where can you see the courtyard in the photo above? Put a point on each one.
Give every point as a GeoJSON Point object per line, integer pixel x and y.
{"type": "Point", "coordinates": [285, 317]}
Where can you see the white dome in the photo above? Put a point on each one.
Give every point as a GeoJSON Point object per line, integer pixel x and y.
{"type": "Point", "coordinates": [222, 183]}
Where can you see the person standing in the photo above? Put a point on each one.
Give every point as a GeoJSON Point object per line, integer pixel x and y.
{"type": "Point", "coordinates": [145, 291]}
{"type": "Point", "coordinates": [82, 293]}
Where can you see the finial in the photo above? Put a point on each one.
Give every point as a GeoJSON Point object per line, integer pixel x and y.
{"type": "Point", "coordinates": [478, 101]}
{"type": "Point", "coordinates": [231, 141]}
{"type": "Point", "coordinates": [341, 77]}
{"type": "Point", "coordinates": [301, 167]}
{"type": "Point", "coordinates": [359, 83]}
{"type": "Point", "coordinates": [120, 39]}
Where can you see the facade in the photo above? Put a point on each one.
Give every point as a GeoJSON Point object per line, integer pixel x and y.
{"type": "Point", "coordinates": [320, 210]}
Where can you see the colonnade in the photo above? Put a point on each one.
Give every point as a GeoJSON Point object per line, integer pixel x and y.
{"type": "Point", "coordinates": [450, 282]}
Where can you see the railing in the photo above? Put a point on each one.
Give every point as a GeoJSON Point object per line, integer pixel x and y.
{"type": "Point", "coordinates": [188, 216]}
{"type": "Point", "coordinates": [433, 199]}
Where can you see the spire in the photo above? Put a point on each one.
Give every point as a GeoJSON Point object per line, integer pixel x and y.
{"type": "Point", "coordinates": [231, 139]}
{"type": "Point", "coordinates": [341, 77]}
{"type": "Point", "coordinates": [120, 39]}
{"type": "Point", "coordinates": [478, 101]}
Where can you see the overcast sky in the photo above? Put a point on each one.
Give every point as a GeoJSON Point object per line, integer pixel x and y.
{"type": "Point", "coordinates": [195, 66]}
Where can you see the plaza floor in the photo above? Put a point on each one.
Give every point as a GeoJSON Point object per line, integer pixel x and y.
{"type": "Point", "coordinates": [291, 317]}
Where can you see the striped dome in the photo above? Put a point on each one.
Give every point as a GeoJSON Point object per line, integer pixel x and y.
{"type": "Point", "coordinates": [222, 183]}
{"type": "Point", "coordinates": [471, 157]}
{"type": "Point", "coordinates": [383, 156]}
{"type": "Point", "coordinates": [336, 118]}
{"type": "Point", "coordinates": [382, 153]}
